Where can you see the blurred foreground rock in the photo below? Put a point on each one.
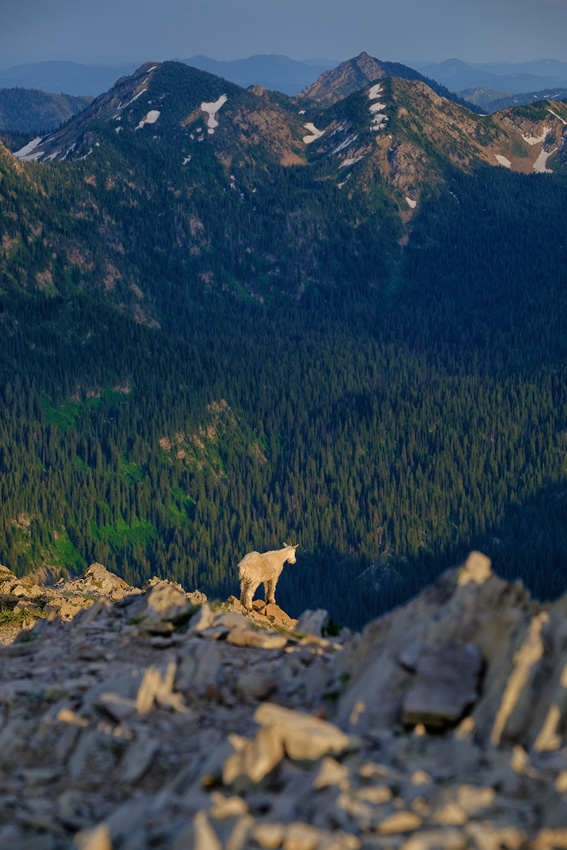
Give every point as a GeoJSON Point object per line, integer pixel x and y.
{"type": "Point", "coordinates": [138, 719]}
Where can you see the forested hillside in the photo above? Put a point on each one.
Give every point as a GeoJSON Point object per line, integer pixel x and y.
{"type": "Point", "coordinates": [25, 110]}
{"type": "Point", "coordinates": [204, 358]}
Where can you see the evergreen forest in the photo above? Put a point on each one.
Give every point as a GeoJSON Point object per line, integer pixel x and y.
{"type": "Point", "coordinates": [409, 406]}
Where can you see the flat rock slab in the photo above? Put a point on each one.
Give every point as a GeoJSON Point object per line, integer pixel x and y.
{"type": "Point", "coordinates": [445, 686]}
{"type": "Point", "coordinates": [258, 638]}
{"type": "Point", "coordinates": [304, 736]}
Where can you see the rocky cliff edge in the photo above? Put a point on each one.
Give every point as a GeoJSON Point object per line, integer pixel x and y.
{"type": "Point", "coordinates": [153, 719]}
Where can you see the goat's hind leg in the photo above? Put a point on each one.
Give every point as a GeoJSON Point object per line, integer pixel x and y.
{"type": "Point", "coordinates": [248, 590]}
{"type": "Point", "coordinates": [269, 591]}
{"type": "Point", "coordinates": [246, 594]}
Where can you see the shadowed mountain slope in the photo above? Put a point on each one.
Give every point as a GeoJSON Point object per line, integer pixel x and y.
{"type": "Point", "coordinates": [24, 110]}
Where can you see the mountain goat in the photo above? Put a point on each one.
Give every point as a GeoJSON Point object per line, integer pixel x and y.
{"type": "Point", "coordinates": [255, 569]}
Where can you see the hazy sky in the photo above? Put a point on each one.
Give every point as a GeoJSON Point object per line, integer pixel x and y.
{"type": "Point", "coordinates": [111, 31]}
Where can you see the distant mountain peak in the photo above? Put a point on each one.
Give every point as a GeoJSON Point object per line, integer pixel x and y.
{"type": "Point", "coordinates": [355, 73]}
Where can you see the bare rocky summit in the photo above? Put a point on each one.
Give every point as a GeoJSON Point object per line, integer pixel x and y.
{"type": "Point", "coordinates": [155, 719]}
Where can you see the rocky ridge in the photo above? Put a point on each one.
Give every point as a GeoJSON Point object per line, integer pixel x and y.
{"type": "Point", "coordinates": [159, 720]}
{"type": "Point", "coordinates": [354, 74]}
{"type": "Point", "coordinates": [415, 133]}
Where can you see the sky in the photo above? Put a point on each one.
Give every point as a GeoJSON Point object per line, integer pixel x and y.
{"type": "Point", "coordinates": [114, 31]}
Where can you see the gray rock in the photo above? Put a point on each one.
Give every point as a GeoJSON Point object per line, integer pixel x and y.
{"type": "Point", "coordinates": [312, 622]}
{"type": "Point", "coordinates": [124, 684]}
{"type": "Point", "coordinates": [203, 619]}
{"type": "Point", "coordinates": [256, 683]}
{"type": "Point", "coordinates": [13, 838]}
{"type": "Point", "coordinates": [200, 667]}
{"type": "Point", "coordinates": [128, 818]}
{"type": "Point", "coordinates": [231, 620]}
{"type": "Point", "coordinates": [167, 601]}
{"type": "Point", "coordinates": [445, 686]}
{"type": "Point", "coordinates": [137, 759]}
{"type": "Point", "coordinates": [118, 707]}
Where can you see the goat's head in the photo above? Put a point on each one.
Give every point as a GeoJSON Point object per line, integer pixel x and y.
{"type": "Point", "coordinates": [291, 554]}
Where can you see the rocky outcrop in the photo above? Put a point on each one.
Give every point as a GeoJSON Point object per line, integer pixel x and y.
{"type": "Point", "coordinates": [160, 720]}
{"type": "Point", "coordinates": [23, 601]}
{"type": "Point", "coordinates": [348, 77]}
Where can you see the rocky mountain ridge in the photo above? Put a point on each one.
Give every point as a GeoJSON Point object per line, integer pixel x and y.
{"type": "Point", "coordinates": [354, 74]}
{"type": "Point", "coordinates": [159, 722]}
{"type": "Point", "coordinates": [404, 128]}
{"type": "Point", "coordinates": [190, 150]}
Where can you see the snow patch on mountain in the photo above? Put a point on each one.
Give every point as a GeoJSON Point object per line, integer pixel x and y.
{"type": "Point", "coordinates": [27, 151]}
{"type": "Point", "coordinates": [540, 165]}
{"type": "Point", "coordinates": [555, 115]}
{"type": "Point", "coordinates": [315, 133]}
{"type": "Point", "coordinates": [348, 141]}
{"type": "Point", "coordinates": [132, 99]}
{"type": "Point", "coordinates": [351, 161]}
{"type": "Point", "coordinates": [375, 91]}
{"type": "Point", "coordinates": [378, 120]}
{"type": "Point", "coordinates": [535, 140]}
{"type": "Point", "coordinates": [211, 109]}
{"type": "Point", "coordinates": [503, 160]}
{"type": "Point", "coordinates": [150, 118]}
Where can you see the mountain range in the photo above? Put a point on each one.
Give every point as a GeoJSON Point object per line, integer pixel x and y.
{"type": "Point", "coordinates": [528, 76]}
{"type": "Point", "coordinates": [73, 78]}
{"type": "Point", "coordinates": [278, 73]}
{"type": "Point", "coordinates": [269, 70]}
{"type": "Point", "coordinates": [232, 316]}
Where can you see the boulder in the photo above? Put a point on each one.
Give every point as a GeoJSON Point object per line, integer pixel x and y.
{"type": "Point", "coordinates": [312, 622]}
{"type": "Point", "coordinates": [468, 607]}
{"type": "Point", "coordinates": [304, 736]}
{"type": "Point", "coordinates": [97, 579]}
{"type": "Point", "coordinates": [445, 685]}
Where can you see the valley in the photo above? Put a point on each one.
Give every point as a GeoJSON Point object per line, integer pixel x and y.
{"type": "Point", "coordinates": [233, 317]}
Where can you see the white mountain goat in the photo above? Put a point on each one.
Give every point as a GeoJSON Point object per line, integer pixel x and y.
{"type": "Point", "coordinates": [255, 569]}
